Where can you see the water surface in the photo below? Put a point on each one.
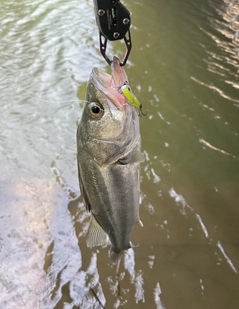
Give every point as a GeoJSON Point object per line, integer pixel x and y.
{"type": "Point", "coordinates": [184, 69]}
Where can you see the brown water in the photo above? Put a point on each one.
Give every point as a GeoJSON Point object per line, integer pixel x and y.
{"type": "Point", "coordinates": [184, 69]}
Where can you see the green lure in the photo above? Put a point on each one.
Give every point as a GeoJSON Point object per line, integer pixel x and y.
{"type": "Point", "coordinates": [132, 98]}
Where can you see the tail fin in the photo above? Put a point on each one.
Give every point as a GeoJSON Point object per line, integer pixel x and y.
{"type": "Point", "coordinates": [115, 257]}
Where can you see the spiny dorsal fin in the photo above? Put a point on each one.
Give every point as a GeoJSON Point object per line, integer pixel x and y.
{"type": "Point", "coordinates": [96, 236]}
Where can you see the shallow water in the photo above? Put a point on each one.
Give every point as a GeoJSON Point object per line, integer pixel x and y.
{"type": "Point", "coordinates": [184, 69]}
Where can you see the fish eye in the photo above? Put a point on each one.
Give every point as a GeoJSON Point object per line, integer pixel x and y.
{"type": "Point", "coordinates": [96, 109]}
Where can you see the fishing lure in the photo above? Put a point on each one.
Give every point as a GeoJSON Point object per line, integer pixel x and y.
{"type": "Point", "coordinates": [132, 98]}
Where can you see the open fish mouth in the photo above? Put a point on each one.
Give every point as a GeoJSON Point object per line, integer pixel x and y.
{"type": "Point", "coordinates": [110, 85]}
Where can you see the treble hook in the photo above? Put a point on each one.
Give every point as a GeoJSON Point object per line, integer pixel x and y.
{"type": "Point", "coordinates": [141, 112]}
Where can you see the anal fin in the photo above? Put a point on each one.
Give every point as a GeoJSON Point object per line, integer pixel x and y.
{"type": "Point", "coordinates": [96, 236]}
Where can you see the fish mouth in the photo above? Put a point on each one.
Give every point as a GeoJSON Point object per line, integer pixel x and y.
{"type": "Point", "coordinates": [110, 85]}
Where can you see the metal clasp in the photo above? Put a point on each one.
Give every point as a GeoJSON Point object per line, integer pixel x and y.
{"type": "Point", "coordinates": [113, 21]}
{"type": "Point", "coordinates": [103, 46]}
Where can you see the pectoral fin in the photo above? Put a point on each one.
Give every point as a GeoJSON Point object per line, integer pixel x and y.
{"type": "Point", "coordinates": [141, 223]}
{"type": "Point", "coordinates": [96, 236]}
{"type": "Point", "coordinates": [132, 157]}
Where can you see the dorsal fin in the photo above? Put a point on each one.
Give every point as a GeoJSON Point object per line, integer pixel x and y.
{"type": "Point", "coordinates": [96, 236]}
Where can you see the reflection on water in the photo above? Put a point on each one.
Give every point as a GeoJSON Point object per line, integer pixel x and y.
{"type": "Point", "coordinates": [233, 18]}
{"type": "Point", "coordinates": [184, 70]}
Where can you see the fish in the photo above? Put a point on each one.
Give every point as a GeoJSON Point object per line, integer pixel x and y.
{"type": "Point", "coordinates": [109, 157]}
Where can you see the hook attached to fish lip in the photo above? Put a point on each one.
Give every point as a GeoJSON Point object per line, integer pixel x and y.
{"type": "Point", "coordinates": [127, 92]}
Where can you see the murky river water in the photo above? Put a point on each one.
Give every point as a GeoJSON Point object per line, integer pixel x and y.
{"type": "Point", "coordinates": [184, 69]}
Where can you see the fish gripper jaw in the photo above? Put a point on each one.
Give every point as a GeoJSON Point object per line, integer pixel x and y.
{"type": "Point", "coordinates": [113, 21]}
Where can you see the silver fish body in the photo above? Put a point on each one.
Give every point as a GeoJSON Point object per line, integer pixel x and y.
{"type": "Point", "coordinates": [109, 156]}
